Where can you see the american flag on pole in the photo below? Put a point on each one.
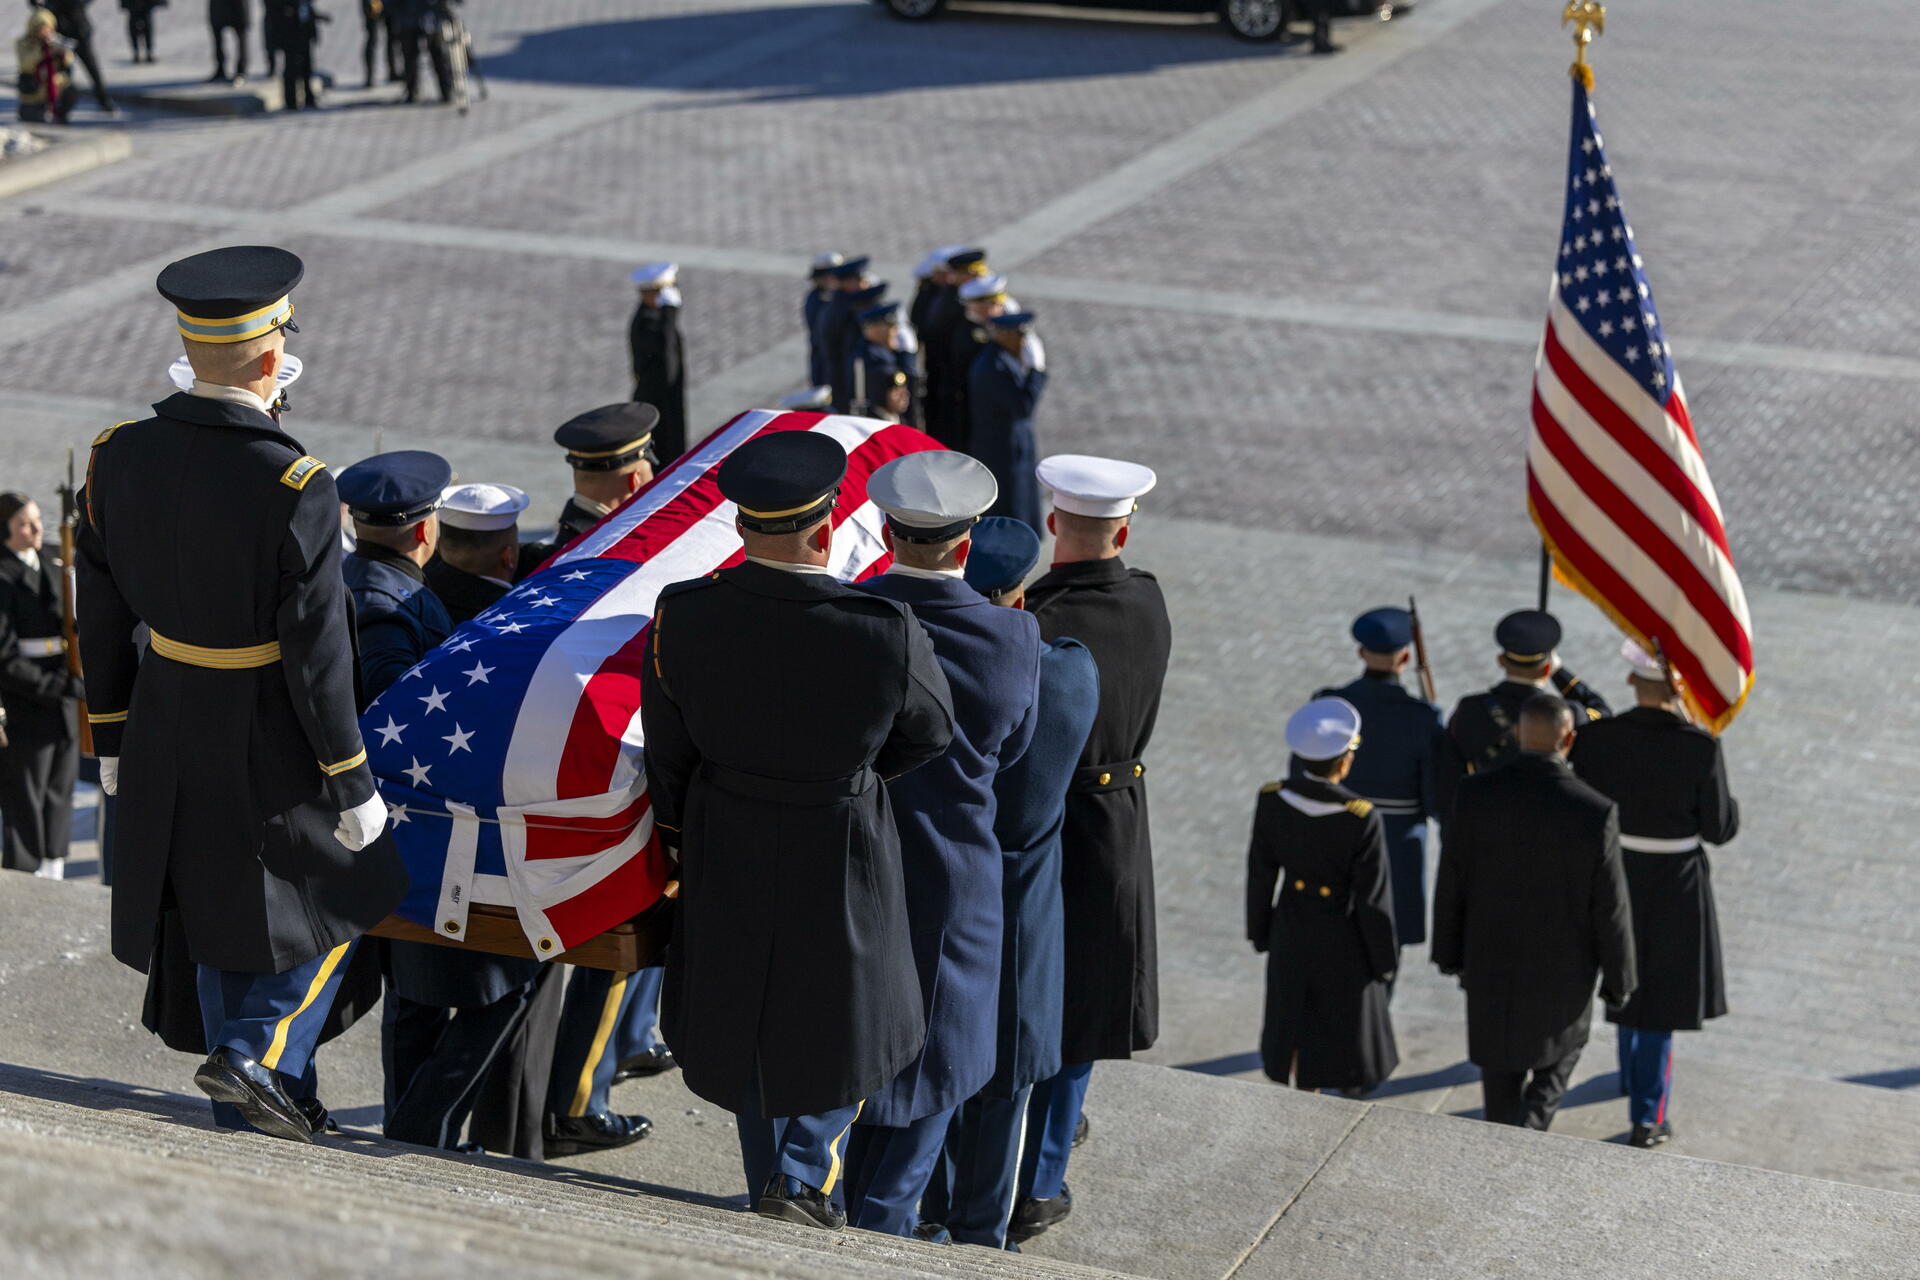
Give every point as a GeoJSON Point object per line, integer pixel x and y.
{"type": "Point", "coordinates": [1615, 480]}
{"type": "Point", "coordinates": [510, 758]}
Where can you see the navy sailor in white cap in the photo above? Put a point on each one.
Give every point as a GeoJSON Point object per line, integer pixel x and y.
{"type": "Point", "coordinates": [950, 860]}
{"type": "Point", "coordinates": [659, 356]}
{"type": "Point", "coordinates": [479, 551]}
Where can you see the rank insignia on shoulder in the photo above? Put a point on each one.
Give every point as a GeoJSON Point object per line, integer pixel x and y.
{"type": "Point", "coordinates": [107, 435]}
{"type": "Point", "coordinates": [1359, 808]}
{"type": "Point", "coordinates": [1593, 713]}
{"type": "Point", "coordinates": [1271, 787]}
{"type": "Point", "coordinates": [302, 469]}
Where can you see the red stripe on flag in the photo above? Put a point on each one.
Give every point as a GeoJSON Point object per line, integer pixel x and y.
{"type": "Point", "coordinates": [631, 887]}
{"type": "Point", "coordinates": [552, 835]}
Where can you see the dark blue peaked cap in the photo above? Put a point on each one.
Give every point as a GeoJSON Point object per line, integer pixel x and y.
{"type": "Point", "coordinates": [851, 267]}
{"type": "Point", "coordinates": [1004, 553]}
{"type": "Point", "coordinates": [868, 296]}
{"type": "Point", "coordinates": [1384, 630]}
{"type": "Point", "coordinates": [783, 481]}
{"type": "Point", "coordinates": [1527, 636]}
{"type": "Point", "coordinates": [876, 315]}
{"type": "Point", "coordinates": [395, 489]}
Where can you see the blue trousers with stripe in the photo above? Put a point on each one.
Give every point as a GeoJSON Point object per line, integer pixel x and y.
{"type": "Point", "coordinates": [888, 1170]}
{"type": "Point", "coordinates": [584, 1057]}
{"type": "Point", "coordinates": [640, 1025]}
{"type": "Point", "coordinates": [805, 1149]}
{"type": "Point", "coordinates": [273, 1018]}
{"type": "Point", "coordinates": [1053, 1113]}
{"type": "Point", "coordinates": [1646, 1072]}
{"type": "Point", "coordinates": [984, 1146]}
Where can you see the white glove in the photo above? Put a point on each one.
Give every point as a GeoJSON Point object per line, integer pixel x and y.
{"type": "Point", "coordinates": [1033, 354]}
{"type": "Point", "coordinates": [110, 775]}
{"type": "Point", "coordinates": [360, 824]}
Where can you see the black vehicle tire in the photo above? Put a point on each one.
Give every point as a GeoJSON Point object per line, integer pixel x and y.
{"type": "Point", "coordinates": [1257, 20]}
{"type": "Point", "coordinates": [914, 10]}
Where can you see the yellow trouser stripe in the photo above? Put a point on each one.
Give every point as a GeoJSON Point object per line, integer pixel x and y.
{"type": "Point", "coordinates": [609, 1014]}
{"type": "Point", "coordinates": [833, 1149]}
{"type": "Point", "coordinates": [350, 762]}
{"type": "Point", "coordinates": [111, 717]}
{"type": "Point", "coordinates": [197, 655]}
{"type": "Point", "coordinates": [314, 988]}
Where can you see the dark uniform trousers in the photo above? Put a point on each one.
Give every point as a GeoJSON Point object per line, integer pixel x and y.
{"type": "Point", "coordinates": [42, 757]}
{"type": "Point", "coordinates": [1528, 1098]}
{"type": "Point", "coordinates": [985, 1145]}
{"type": "Point", "coordinates": [436, 1056]}
{"type": "Point", "coordinates": [273, 1018]}
{"type": "Point", "coordinates": [1053, 1113]}
{"type": "Point", "coordinates": [584, 1050]}
{"type": "Point", "coordinates": [810, 1150]}
{"type": "Point", "coordinates": [888, 1167]}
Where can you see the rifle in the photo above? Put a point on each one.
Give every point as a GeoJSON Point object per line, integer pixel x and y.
{"type": "Point", "coordinates": [69, 625]}
{"type": "Point", "coordinates": [1420, 654]}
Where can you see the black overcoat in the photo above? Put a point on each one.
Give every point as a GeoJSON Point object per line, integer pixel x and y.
{"type": "Point", "coordinates": [660, 375]}
{"type": "Point", "coordinates": [464, 594]}
{"type": "Point", "coordinates": [773, 704]}
{"type": "Point", "coordinates": [1531, 905]}
{"type": "Point", "coordinates": [1670, 780]}
{"type": "Point", "coordinates": [1329, 937]}
{"type": "Point", "coordinates": [209, 524]}
{"type": "Point", "coordinates": [1106, 872]}
{"type": "Point", "coordinates": [34, 687]}
{"type": "Point", "coordinates": [1480, 731]}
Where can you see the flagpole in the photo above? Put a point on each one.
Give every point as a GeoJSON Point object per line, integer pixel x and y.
{"type": "Point", "coordinates": [1546, 574]}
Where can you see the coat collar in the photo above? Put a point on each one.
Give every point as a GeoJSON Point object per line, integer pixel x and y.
{"type": "Point", "coordinates": [201, 411]}
{"type": "Point", "coordinates": [1082, 573]}
{"type": "Point", "coordinates": [392, 559]}
{"type": "Point", "coordinates": [925, 593]}
{"type": "Point", "coordinates": [1540, 763]}
{"type": "Point", "coordinates": [1318, 789]}
{"type": "Point", "coordinates": [762, 581]}
{"type": "Point", "coordinates": [1652, 717]}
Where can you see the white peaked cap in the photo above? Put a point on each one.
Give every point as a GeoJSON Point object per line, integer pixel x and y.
{"type": "Point", "coordinates": [1099, 487]}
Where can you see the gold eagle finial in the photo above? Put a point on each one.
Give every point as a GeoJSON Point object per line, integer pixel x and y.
{"type": "Point", "coordinates": [1589, 19]}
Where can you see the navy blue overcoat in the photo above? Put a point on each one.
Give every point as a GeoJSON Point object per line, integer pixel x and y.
{"type": "Point", "coordinates": [1002, 397]}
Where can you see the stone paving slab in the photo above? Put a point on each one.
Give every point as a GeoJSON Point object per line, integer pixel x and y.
{"type": "Point", "coordinates": [70, 155]}
{"type": "Point", "coordinates": [47, 250]}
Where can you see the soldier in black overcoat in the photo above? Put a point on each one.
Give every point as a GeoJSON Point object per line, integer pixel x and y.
{"type": "Point", "coordinates": [1112, 1005]}
{"type": "Point", "coordinates": [41, 757]}
{"type": "Point", "coordinates": [1669, 778]}
{"type": "Point", "coordinates": [245, 801]}
{"type": "Point", "coordinates": [1329, 938]}
{"type": "Point", "coordinates": [774, 700]}
{"type": "Point", "coordinates": [1531, 905]}
{"type": "Point", "coordinates": [659, 356]}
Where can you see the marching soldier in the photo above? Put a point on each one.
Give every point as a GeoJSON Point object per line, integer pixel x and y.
{"type": "Point", "coordinates": [479, 551]}
{"type": "Point", "coordinates": [249, 676]}
{"type": "Point", "coordinates": [1670, 780]}
{"type": "Point", "coordinates": [393, 499]}
{"type": "Point", "coordinates": [1480, 733]}
{"type": "Point", "coordinates": [39, 754]}
{"type": "Point", "coordinates": [1329, 939]}
{"type": "Point", "coordinates": [945, 813]}
{"type": "Point", "coordinates": [790, 996]}
{"type": "Point", "coordinates": [1106, 871]}
{"type": "Point", "coordinates": [659, 356]}
{"type": "Point", "coordinates": [819, 294]}
{"type": "Point", "coordinates": [1003, 392]}
{"type": "Point", "coordinates": [610, 450]}
{"type": "Point", "coordinates": [1030, 800]}
{"type": "Point", "coordinates": [1396, 765]}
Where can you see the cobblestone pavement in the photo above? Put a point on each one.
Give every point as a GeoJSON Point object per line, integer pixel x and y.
{"type": "Point", "coordinates": [1307, 290]}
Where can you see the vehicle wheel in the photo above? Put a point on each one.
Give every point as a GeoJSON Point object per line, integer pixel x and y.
{"type": "Point", "coordinates": [1252, 19]}
{"type": "Point", "coordinates": [914, 10]}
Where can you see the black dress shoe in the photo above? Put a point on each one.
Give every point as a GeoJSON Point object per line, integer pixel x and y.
{"type": "Point", "coordinates": [318, 1118]}
{"type": "Point", "coordinates": [1031, 1217]}
{"type": "Point", "coordinates": [792, 1200]}
{"type": "Point", "coordinates": [570, 1135]}
{"type": "Point", "coordinates": [1648, 1136]}
{"type": "Point", "coordinates": [1081, 1129]}
{"type": "Point", "coordinates": [234, 1078]}
{"type": "Point", "coordinates": [650, 1062]}
{"type": "Point", "coordinates": [932, 1233]}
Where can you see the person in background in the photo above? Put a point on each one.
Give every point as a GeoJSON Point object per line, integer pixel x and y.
{"type": "Point", "coordinates": [659, 356]}
{"type": "Point", "coordinates": [819, 294]}
{"type": "Point", "coordinates": [46, 71]}
{"type": "Point", "coordinates": [1004, 387]}
{"type": "Point", "coordinates": [223, 16]}
{"type": "Point", "coordinates": [140, 26]}
{"type": "Point", "coordinates": [479, 550]}
{"type": "Point", "coordinates": [395, 500]}
{"type": "Point", "coordinates": [610, 451]}
{"type": "Point", "coordinates": [41, 757]}
{"type": "Point", "coordinates": [291, 28]}
{"type": "Point", "coordinates": [74, 24]}
{"type": "Point", "coordinates": [416, 23]}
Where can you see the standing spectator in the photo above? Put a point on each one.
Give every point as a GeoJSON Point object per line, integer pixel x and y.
{"type": "Point", "coordinates": [71, 18]}
{"type": "Point", "coordinates": [417, 23]}
{"type": "Point", "coordinates": [1532, 904]}
{"type": "Point", "coordinates": [229, 15]}
{"type": "Point", "coordinates": [140, 26]}
{"type": "Point", "coordinates": [659, 358]}
{"type": "Point", "coordinates": [42, 756]}
{"type": "Point", "coordinates": [46, 71]}
{"type": "Point", "coordinates": [291, 28]}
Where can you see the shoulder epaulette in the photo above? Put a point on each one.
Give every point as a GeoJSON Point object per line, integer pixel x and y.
{"type": "Point", "coordinates": [301, 470]}
{"type": "Point", "coordinates": [1359, 808]}
{"type": "Point", "coordinates": [1593, 713]}
{"type": "Point", "coordinates": [1271, 787]}
{"type": "Point", "coordinates": [107, 435]}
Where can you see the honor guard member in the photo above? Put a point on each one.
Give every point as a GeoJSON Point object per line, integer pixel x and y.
{"type": "Point", "coordinates": [394, 500]}
{"type": "Point", "coordinates": [1480, 733]}
{"type": "Point", "coordinates": [1396, 767]}
{"type": "Point", "coordinates": [479, 552]}
{"type": "Point", "coordinates": [835, 319]}
{"type": "Point", "coordinates": [1329, 937]}
{"type": "Point", "coordinates": [981, 298]}
{"type": "Point", "coordinates": [248, 678]}
{"type": "Point", "coordinates": [852, 340]}
{"type": "Point", "coordinates": [611, 452]}
{"type": "Point", "coordinates": [1030, 802]}
{"type": "Point", "coordinates": [819, 294]}
{"type": "Point", "coordinates": [930, 276]}
{"type": "Point", "coordinates": [1106, 870]}
{"type": "Point", "coordinates": [1530, 906]}
{"type": "Point", "coordinates": [659, 356]}
{"type": "Point", "coordinates": [1009, 376]}
{"type": "Point", "coordinates": [882, 367]}
{"type": "Point", "coordinates": [39, 754]}
{"type": "Point", "coordinates": [791, 994]}
{"type": "Point", "coordinates": [1670, 780]}
{"type": "Point", "coordinates": [944, 811]}
{"type": "Point", "coordinates": [944, 328]}
{"type": "Point", "coordinates": [180, 373]}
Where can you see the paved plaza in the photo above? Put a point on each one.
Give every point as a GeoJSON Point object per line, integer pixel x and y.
{"type": "Point", "coordinates": [1307, 291]}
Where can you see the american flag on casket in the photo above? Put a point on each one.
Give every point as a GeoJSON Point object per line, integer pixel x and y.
{"type": "Point", "coordinates": [510, 758]}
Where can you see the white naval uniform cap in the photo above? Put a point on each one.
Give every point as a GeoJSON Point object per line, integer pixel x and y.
{"type": "Point", "coordinates": [1640, 662]}
{"type": "Point", "coordinates": [982, 287]}
{"type": "Point", "coordinates": [1103, 488]}
{"type": "Point", "coordinates": [482, 507]}
{"type": "Point", "coordinates": [934, 494]}
{"type": "Point", "coordinates": [657, 275]}
{"type": "Point", "coordinates": [180, 372]}
{"type": "Point", "coordinates": [810, 399]}
{"type": "Point", "coordinates": [1324, 729]}
{"type": "Point", "coordinates": [827, 261]}
{"type": "Point", "coordinates": [937, 259]}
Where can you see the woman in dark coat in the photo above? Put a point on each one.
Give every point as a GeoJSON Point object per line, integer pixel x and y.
{"type": "Point", "coordinates": [1329, 941]}
{"type": "Point", "coordinates": [42, 755]}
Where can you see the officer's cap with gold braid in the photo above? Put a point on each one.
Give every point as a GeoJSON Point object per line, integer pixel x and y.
{"type": "Point", "coordinates": [232, 294]}
{"type": "Point", "coordinates": [610, 437]}
{"type": "Point", "coordinates": [395, 489]}
{"type": "Point", "coordinates": [1528, 636]}
{"type": "Point", "coordinates": [784, 481]}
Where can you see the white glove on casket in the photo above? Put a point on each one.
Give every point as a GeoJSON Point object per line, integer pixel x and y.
{"type": "Point", "coordinates": [110, 775]}
{"type": "Point", "coordinates": [360, 824]}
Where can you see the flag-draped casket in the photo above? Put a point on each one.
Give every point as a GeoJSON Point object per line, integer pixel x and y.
{"type": "Point", "coordinates": [510, 758]}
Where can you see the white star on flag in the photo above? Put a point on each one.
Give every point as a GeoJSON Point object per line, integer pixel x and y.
{"type": "Point", "coordinates": [461, 645]}
{"type": "Point", "coordinates": [390, 732]}
{"type": "Point", "coordinates": [415, 672]}
{"type": "Point", "coordinates": [578, 575]}
{"type": "Point", "coordinates": [418, 773]}
{"type": "Point", "coordinates": [512, 628]}
{"type": "Point", "coordinates": [397, 814]}
{"type": "Point", "coordinates": [436, 701]}
{"type": "Point", "coordinates": [458, 738]}
{"type": "Point", "coordinates": [478, 674]}
{"type": "Point", "coordinates": [543, 601]}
